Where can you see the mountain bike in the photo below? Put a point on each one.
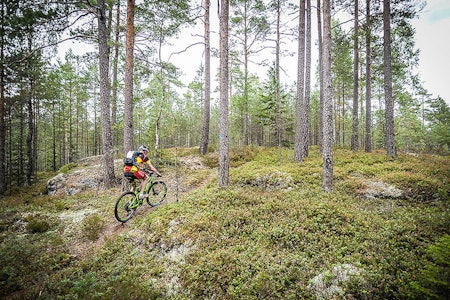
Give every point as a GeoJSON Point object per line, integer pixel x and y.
{"type": "Point", "coordinates": [129, 202]}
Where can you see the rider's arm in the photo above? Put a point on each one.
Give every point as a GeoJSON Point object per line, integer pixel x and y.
{"type": "Point", "coordinates": [152, 168]}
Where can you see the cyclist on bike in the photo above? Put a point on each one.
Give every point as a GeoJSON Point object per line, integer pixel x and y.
{"type": "Point", "coordinates": [141, 162]}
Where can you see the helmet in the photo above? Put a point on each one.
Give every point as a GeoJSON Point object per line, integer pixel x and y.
{"type": "Point", "coordinates": [143, 148]}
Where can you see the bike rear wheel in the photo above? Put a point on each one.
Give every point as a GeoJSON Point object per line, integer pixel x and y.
{"type": "Point", "coordinates": [122, 210]}
{"type": "Point", "coordinates": [157, 193]}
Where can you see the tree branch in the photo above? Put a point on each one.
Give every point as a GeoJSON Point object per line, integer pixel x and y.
{"type": "Point", "coordinates": [185, 49]}
{"type": "Point", "coordinates": [32, 52]}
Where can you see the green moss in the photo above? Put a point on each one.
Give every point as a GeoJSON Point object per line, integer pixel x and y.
{"type": "Point", "coordinates": [67, 168]}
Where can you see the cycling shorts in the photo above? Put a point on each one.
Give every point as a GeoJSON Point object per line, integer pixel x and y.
{"type": "Point", "coordinates": [132, 171]}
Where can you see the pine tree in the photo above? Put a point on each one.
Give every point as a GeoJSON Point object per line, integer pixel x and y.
{"type": "Point", "coordinates": [207, 105]}
{"type": "Point", "coordinates": [129, 65]}
{"type": "Point", "coordinates": [327, 181]}
{"type": "Point", "coordinates": [224, 179]}
{"type": "Point", "coordinates": [108, 177]}
{"type": "Point", "coordinates": [391, 147]}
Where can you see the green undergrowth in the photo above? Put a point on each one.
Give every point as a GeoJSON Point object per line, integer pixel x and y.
{"type": "Point", "coordinates": [266, 236]}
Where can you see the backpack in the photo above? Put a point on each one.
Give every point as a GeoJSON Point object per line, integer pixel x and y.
{"type": "Point", "coordinates": [130, 159]}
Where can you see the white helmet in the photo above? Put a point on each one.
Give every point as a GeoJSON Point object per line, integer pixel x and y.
{"type": "Point", "coordinates": [143, 148]}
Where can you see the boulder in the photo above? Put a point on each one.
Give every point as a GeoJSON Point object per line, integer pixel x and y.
{"type": "Point", "coordinates": [379, 189]}
{"type": "Point", "coordinates": [335, 284]}
{"type": "Point", "coordinates": [56, 183]}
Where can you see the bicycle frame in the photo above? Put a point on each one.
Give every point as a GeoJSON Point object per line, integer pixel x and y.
{"type": "Point", "coordinates": [136, 189]}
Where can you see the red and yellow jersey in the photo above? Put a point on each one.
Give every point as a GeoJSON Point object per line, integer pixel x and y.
{"type": "Point", "coordinates": [140, 159]}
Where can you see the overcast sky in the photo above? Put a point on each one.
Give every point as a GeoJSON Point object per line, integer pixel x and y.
{"type": "Point", "coordinates": [433, 40]}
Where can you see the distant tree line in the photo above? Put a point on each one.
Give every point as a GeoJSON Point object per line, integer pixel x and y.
{"type": "Point", "coordinates": [52, 111]}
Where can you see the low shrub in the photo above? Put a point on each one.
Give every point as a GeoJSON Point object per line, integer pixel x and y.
{"type": "Point", "coordinates": [433, 281]}
{"type": "Point", "coordinates": [92, 226]}
{"type": "Point", "coordinates": [37, 226]}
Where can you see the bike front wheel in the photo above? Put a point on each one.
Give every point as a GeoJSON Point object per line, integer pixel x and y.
{"type": "Point", "coordinates": [122, 210]}
{"type": "Point", "coordinates": [157, 193]}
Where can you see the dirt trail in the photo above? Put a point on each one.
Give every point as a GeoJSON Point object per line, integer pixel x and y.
{"type": "Point", "coordinates": [175, 180]}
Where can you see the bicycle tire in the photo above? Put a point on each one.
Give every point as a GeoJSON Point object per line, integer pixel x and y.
{"type": "Point", "coordinates": [121, 210]}
{"type": "Point", "coordinates": [157, 193]}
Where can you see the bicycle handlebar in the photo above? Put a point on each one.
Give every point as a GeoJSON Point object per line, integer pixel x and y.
{"type": "Point", "coordinates": [150, 173]}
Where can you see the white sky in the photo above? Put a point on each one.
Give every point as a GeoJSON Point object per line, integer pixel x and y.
{"type": "Point", "coordinates": [433, 40]}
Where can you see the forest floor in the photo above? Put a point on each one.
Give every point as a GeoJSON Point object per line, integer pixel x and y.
{"type": "Point", "coordinates": [273, 234]}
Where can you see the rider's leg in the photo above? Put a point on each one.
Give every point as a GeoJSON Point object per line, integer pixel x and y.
{"type": "Point", "coordinates": [143, 184]}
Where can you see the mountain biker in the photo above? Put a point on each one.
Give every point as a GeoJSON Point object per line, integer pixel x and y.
{"type": "Point", "coordinates": [141, 162]}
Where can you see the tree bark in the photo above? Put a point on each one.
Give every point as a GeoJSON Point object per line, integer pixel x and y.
{"type": "Point", "coordinates": [30, 159]}
{"type": "Point", "coordinates": [115, 82]}
{"type": "Point", "coordinates": [355, 125]}
{"type": "Point", "coordinates": [129, 64]}
{"type": "Point", "coordinates": [108, 176]}
{"type": "Point", "coordinates": [246, 117]}
{"type": "Point", "coordinates": [321, 85]}
{"type": "Point", "coordinates": [299, 108]}
{"type": "Point", "coordinates": [223, 179]}
{"type": "Point", "coordinates": [368, 143]}
{"type": "Point", "coordinates": [391, 148]}
{"type": "Point", "coordinates": [306, 125]}
{"type": "Point", "coordinates": [277, 76]}
{"type": "Point", "coordinates": [2, 110]}
{"type": "Point", "coordinates": [207, 104]}
{"type": "Point", "coordinates": [327, 181]}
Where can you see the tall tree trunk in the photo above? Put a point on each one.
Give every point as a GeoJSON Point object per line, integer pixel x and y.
{"type": "Point", "coordinates": [224, 178]}
{"type": "Point", "coordinates": [115, 82]}
{"type": "Point", "coordinates": [337, 120]}
{"type": "Point", "coordinates": [306, 126]}
{"type": "Point", "coordinates": [368, 143]}
{"type": "Point", "coordinates": [94, 142]}
{"type": "Point", "coordinates": [2, 108]}
{"type": "Point", "coordinates": [30, 164]}
{"type": "Point", "coordinates": [321, 84]}
{"type": "Point", "coordinates": [161, 106]}
{"type": "Point", "coordinates": [70, 122]}
{"type": "Point", "coordinates": [21, 171]}
{"type": "Point", "coordinates": [246, 55]}
{"type": "Point", "coordinates": [54, 136]}
{"type": "Point", "coordinates": [128, 109]}
{"type": "Point", "coordinates": [246, 118]}
{"type": "Point", "coordinates": [206, 109]}
{"type": "Point", "coordinates": [36, 115]}
{"type": "Point", "coordinates": [299, 108]}
{"type": "Point", "coordinates": [343, 114]}
{"type": "Point", "coordinates": [355, 125]}
{"type": "Point", "coordinates": [277, 76]}
{"type": "Point", "coordinates": [77, 126]}
{"type": "Point", "coordinates": [108, 176]}
{"type": "Point", "coordinates": [327, 181]}
{"type": "Point", "coordinates": [30, 136]}
{"type": "Point", "coordinates": [391, 148]}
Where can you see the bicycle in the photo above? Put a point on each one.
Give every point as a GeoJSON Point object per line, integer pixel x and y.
{"type": "Point", "coordinates": [129, 202]}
